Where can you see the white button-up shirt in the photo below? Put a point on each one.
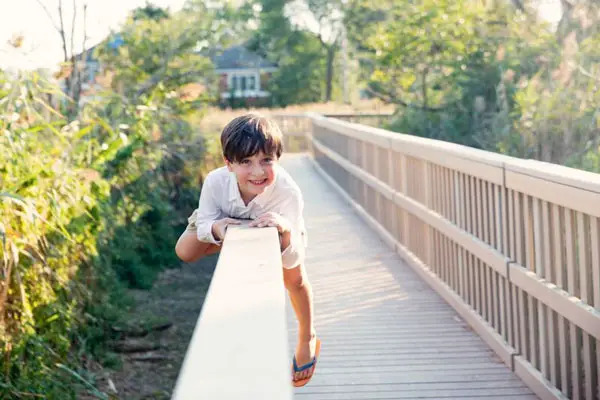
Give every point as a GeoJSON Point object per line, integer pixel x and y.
{"type": "Point", "coordinates": [220, 198]}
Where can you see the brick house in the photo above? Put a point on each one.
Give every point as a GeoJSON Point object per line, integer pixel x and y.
{"type": "Point", "coordinates": [243, 77]}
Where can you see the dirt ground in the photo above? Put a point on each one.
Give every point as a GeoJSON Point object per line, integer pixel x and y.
{"type": "Point", "coordinates": [151, 363]}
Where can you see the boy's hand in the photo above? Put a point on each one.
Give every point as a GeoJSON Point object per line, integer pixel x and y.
{"type": "Point", "coordinates": [282, 224]}
{"type": "Point", "coordinates": [272, 219]}
{"type": "Point", "coordinates": [220, 226]}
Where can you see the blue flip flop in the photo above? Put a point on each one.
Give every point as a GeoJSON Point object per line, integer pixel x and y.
{"type": "Point", "coordinates": [302, 382]}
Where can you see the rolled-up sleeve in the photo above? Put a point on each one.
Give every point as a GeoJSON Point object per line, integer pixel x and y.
{"type": "Point", "coordinates": [293, 255]}
{"type": "Point", "coordinates": [208, 211]}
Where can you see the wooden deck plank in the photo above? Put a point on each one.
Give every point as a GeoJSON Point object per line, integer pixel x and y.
{"type": "Point", "coordinates": [502, 393]}
{"type": "Point", "coordinates": [506, 383]}
{"type": "Point", "coordinates": [385, 333]}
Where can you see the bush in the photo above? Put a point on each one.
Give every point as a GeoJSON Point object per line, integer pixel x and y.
{"type": "Point", "coordinates": [87, 208]}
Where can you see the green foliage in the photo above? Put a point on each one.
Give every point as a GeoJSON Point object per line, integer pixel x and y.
{"type": "Point", "coordinates": [50, 210]}
{"type": "Point", "coordinates": [429, 47]}
{"type": "Point", "coordinates": [300, 54]}
{"type": "Point", "coordinates": [149, 11]}
{"type": "Point", "coordinates": [161, 54]}
{"type": "Point", "coordinates": [490, 77]}
{"type": "Point", "coordinates": [434, 59]}
{"type": "Point", "coordinates": [299, 78]}
{"type": "Point", "coordinates": [91, 206]}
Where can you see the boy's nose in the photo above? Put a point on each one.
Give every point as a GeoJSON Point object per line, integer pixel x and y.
{"type": "Point", "coordinates": [257, 171]}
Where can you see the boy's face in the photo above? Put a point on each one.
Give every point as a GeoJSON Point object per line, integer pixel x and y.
{"type": "Point", "coordinates": [254, 173]}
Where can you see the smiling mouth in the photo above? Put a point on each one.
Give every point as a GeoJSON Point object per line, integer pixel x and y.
{"type": "Point", "coordinates": [259, 182]}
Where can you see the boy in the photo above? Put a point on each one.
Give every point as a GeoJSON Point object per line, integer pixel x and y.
{"type": "Point", "coordinates": [253, 186]}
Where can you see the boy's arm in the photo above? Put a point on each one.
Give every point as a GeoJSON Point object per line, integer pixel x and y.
{"type": "Point", "coordinates": [285, 239]}
{"type": "Point", "coordinates": [209, 211]}
{"type": "Point", "coordinates": [292, 241]}
{"type": "Point", "coordinates": [288, 221]}
{"type": "Point", "coordinates": [293, 254]}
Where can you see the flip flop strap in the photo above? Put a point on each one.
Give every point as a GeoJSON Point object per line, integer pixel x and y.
{"type": "Point", "coordinates": [305, 366]}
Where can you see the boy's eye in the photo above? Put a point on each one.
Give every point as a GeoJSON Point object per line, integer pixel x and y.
{"type": "Point", "coordinates": [246, 161]}
{"type": "Point", "coordinates": [268, 159]}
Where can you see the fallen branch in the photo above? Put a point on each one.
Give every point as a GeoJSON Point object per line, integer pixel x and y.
{"type": "Point", "coordinates": [149, 357]}
{"type": "Point", "coordinates": [139, 332]}
{"type": "Point", "coordinates": [389, 98]}
{"type": "Point", "coordinates": [135, 346]}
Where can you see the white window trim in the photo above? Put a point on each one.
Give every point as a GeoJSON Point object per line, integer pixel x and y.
{"type": "Point", "coordinates": [238, 74]}
{"type": "Point", "coordinates": [244, 70]}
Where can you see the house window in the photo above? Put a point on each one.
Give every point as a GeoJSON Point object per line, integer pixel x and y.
{"type": "Point", "coordinates": [91, 69]}
{"type": "Point", "coordinates": [244, 82]}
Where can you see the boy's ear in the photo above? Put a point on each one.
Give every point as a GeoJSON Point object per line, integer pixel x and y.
{"type": "Point", "coordinates": [228, 163]}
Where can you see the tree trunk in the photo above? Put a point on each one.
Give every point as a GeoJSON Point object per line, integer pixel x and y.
{"type": "Point", "coordinates": [329, 77]}
{"type": "Point", "coordinates": [424, 88]}
{"type": "Point", "coordinates": [565, 22]}
{"type": "Point", "coordinates": [4, 293]}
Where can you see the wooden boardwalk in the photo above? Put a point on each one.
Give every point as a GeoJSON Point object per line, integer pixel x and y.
{"type": "Point", "coordinates": [385, 334]}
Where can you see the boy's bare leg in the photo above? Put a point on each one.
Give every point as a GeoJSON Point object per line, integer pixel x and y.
{"type": "Point", "coordinates": [300, 292]}
{"type": "Point", "coordinates": [190, 249]}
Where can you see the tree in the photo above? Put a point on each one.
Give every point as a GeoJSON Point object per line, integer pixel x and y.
{"type": "Point", "coordinates": [427, 49]}
{"type": "Point", "coordinates": [555, 113]}
{"type": "Point", "coordinates": [163, 53]}
{"type": "Point", "coordinates": [493, 75]}
{"type": "Point", "coordinates": [149, 11]}
{"type": "Point", "coordinates": [328, 17]}
{"type": "Point", "coordinates": [431, 58]}
{"type": "Point", "coordinates": [73, 64]}
{"type": "Point", "coordinates": [299, 54]}
{"type": "Point", "coordinates": [301, 71]}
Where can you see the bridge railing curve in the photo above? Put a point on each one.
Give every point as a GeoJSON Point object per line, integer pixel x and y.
{"type": "Point", "coordinates": [513, 245]}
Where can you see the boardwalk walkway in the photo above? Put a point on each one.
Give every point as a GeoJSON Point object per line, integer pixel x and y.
{"type": "Point", "coordinates": [385, 333]}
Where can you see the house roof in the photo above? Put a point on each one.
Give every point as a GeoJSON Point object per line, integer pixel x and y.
{"type": "Point", "coordinates": [113, 42]}
{"type": "Point", "coordinates": [238, 57]}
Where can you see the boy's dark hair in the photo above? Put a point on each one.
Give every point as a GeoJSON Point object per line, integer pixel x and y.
{"type": "Point", "coordinates": [247, 135]}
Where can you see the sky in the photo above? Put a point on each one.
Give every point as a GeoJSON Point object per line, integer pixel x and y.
{"type": "Point", "coordinates": [42, 44]}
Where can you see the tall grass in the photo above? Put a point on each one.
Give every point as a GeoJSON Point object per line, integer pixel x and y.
{"type": "Point", "coordinates": [87, 207]}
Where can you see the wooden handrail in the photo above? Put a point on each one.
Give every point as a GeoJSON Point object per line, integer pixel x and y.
{"type": "Point", "coordinates": [239, 348]}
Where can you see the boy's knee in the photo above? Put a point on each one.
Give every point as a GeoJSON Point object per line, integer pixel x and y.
{"type": "Point", "coordinates": [184, 254]}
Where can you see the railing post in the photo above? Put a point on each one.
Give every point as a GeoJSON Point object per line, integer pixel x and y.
{"type": "Point", "coordinates": [427, 181]}
{"type": "Point", "coordinates": [404, 174]}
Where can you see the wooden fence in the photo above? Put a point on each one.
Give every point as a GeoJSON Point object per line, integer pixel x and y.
{"type": "Point", "coordinates": [376, 119]}
{"type": "Point", "coordinates": [513, 245]}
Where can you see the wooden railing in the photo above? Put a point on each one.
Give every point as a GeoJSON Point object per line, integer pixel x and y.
{"type": "Point", "coordinates": [239, 346]}
{"type": "Point", "coordinates": [295, 127]}
{"type": "Point", "coordinates": [370, 119]}
{"type": "Point", "coordinates": [512, 245]}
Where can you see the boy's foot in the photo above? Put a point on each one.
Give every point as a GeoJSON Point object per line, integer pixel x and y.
{"type": "Point", "coordinates": [305, 353]}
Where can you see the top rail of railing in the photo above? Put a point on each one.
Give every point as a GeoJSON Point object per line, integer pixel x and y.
{"type": "Point", "coordinates": [239, 346]}
{"type": "Point", "coordinates": [435, 149]}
